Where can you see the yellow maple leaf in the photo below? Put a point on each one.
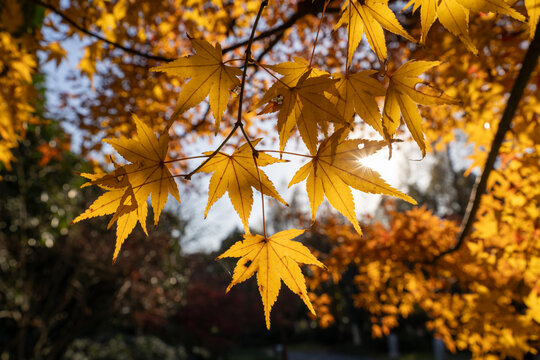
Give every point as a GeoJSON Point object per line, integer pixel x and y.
{"type": "Point", "coordinates": [304, 106]}
{"type": "Point", "coordinates": [496, 6]}
{"type": "Point", "coordinates": [357, 92]}
{"type": "Point", "coordinates": [273, 258]}
{"type": "Point", "coordinates": [293, 71]}
{"type": "Point", "coordinates": [148, 173]}
{"type": "Point", "coordinates": [209, 77]}
{"type": "Point", "coordinates": [370, 16]}
{"type": "Point", "coordinates": [56, 53]}
{"type": "Point", "coordinates": [237, 174]}
{"type": "Point", "coordinates": [533, 10]}
{"type": "Point", "coordinates": [428, 14]}
{"type": "Point", "coordinates": [401, 98]}
{"type": "Point", "coordinates": [455, 18]}
{"type": "Point", "coordinates": [336, 168]}
{"type": "Point", "coordinates": [454, 15]}
{"type": "Point", "coordinates": [451, 14]}
{"type": "Point", "coordinates": [130, 185]}
{"type": "Point", "coordinates": [120, 200]}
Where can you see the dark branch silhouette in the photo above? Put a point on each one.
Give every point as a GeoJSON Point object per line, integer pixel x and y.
{"type": "Point", "coordinates": [99, 37]}
{"type": "Point", "coordinates": [302, 11]}
{"type": "Point", "coordinates": [528, 66]}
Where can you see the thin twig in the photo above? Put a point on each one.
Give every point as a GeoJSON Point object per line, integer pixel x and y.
{"type": "Point", "coordinates": [270, 46]}
{"type": "Point", "coordinates": [244, 133]}
{"type": "Point", "coordinates": [233, 130]}
{"type": "Point", "coordinates": [241, 97]}
{"type": "Point", "coordinates": [202, 121]}
{"type": "Point", "coordinates": [318, 31]}
{"type": "Point", "coordinates": [185, 158]}
{"type": "Point", "coordinates": [348, 42]}
{"type": "Point", "coordinates": [287, 153]}
{"type": "Point", "coordinates": [281, 28]}
{"type": "Point", "coordinates": [239, 122]}
{"type": "Point", "coordinates": [278, 29]}
{"type": "Point", "coordinates": [239, 118]}
{"type": "Point", "coordinates": [527, 67]}
{"type": "Point", "coordinates": [299, 14]}
{"type": "Point", "coordinates": [196, 125]}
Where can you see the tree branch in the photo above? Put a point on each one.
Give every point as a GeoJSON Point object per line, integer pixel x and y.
{"type": "Point", "coordinates": [528, 66]}
{"type": "Point", "coordinates": [301, 12]}
{"type": "Point", "coordinates": [99, 37]}
{"type": "Point", "coordinates": [278, 29]}
{"type": "Point", "coordinates": [238, 123]}
{"type": "Point", "coordinates": [270, 46]}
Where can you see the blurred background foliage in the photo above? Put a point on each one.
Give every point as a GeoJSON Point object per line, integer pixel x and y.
{"type": "Point", "coordinates": [62, 299]}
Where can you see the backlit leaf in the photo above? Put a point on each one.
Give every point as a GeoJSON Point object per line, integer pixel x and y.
{"type": "Point", "coordinates": [356, 93]}
{"type": "Point", "coordinates": [333, 173]}
{"type": "Point", "coordinates": [533, 10]}
{"type": "Point", "coordinates": [237, 174]}
{"type": "Point", "coordinates": [305, 107]}
{"type": "Point", "coordinates": [370, 16]}
{"type": "Point", "coordinates": [455, 18]}
{"type": "Point", "coordinates": [274, 259]}
{"type": "Point", "coordinates": [148, 173]}
{"type": "Point", "coordinates": [454, 15]}
{"type": "Point", "coordinates": [130, 185]}
{"type": "Point", "coordinates": [209, 76]}
{"type": "Point", "coordinates": [401, 97]}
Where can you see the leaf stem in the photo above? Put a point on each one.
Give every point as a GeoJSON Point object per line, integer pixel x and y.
{"type": "Point", "coordinates": [231, 60]}
{"type": "Point", "coordinates": [233, 130]}
{"type": "Point", "coordinates": [270, 73]}
{"type": "Point", "coordinates": [348, 41]}
{"type": "Point", "coordinates": [185, 158]}
{"type": "Point", "coordinates": [286, 152]}
{"type": "Point", "coordinates": [239, 122]}
{"type": "Point", "coordinates": [262, 195]}
{"type": "Point", "coordinates": [318, 30]}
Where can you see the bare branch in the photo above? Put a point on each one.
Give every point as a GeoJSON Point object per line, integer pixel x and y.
{"type": "Point", "coordinates": [99, 37]}
{"type": "Point", "coordinates": [300, 13]}
{"type": "Point", "coordinates": [278, 30]}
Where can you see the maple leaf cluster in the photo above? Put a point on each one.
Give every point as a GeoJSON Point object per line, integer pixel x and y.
{"type": "Point", "coordinates": [335, 167]}
{"type": "Point", "coordinates": [129, 186]}
{"type": "Point", "coordinates": [320, 105]}
{"type": "Point", "coordinates": [305, 98]}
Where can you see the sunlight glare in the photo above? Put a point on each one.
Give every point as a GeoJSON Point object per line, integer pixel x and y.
{"type": "Point", "coordinates": [380, 163]}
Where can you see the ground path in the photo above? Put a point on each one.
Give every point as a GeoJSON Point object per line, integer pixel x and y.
{"type": "Point", "coordinates": [322, 355]}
